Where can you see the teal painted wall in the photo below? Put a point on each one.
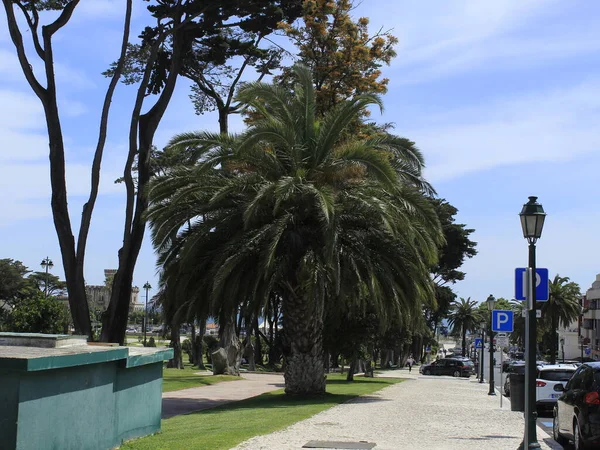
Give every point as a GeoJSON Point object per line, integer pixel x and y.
{"type": "Point", "coordinates": [92, 407]}
{"type": "Point", "coordinates": [9, 408]}
{"type": "Point", "coordinates": [140, 388]}
{"type": "Point", "coordinates": [68, 409]}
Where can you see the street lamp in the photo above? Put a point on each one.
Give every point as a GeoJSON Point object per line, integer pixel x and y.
{"type": "Point", "coordinates": [481, 352]}
{"type": "Point", "coordinates": [491, 301]}
{"type": "Point", "coordinates": [532, 221]}
{"type": "Point", "coordinates": [146, 286]}
{"type": "Point", "coordinates": [562, 346]}
{"type": "Point", "coordinates": [48, 264]}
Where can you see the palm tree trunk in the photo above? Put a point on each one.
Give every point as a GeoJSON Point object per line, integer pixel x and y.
{"type": "Point", "coordinates": [464, 340]}
{"type": "Point", "coordinates": [554, 334]}
{"type": "Point", "coordinates": [198, 344]}
{"type": "Point", "coordinates": [303, 355]}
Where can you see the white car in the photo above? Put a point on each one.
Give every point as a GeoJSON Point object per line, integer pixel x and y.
{"type": "Point", "coordinates": [548, 377]}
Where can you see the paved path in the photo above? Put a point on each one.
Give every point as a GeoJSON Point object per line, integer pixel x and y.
{"type": "Point", "coordinates": [425, 412]}
{"type": "Point", "coordinates": [204, 397]}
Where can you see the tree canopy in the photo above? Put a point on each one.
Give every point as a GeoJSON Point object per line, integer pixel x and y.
{"type": "Point", "coordinates": [292, 206]}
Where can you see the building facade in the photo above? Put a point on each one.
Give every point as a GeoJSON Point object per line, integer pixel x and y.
{"type": "Point", "coordinates": [99, 295]}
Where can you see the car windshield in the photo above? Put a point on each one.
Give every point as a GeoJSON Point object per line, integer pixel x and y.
{"type": "Point", "coordinates": [556, 375]}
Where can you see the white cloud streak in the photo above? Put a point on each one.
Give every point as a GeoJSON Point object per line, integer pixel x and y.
{"type": "Point", "coordinates": [552, 125]}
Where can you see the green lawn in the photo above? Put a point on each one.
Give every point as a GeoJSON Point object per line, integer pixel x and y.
{"type": "Point", "coordinates": [228, 425]}
{"type": "Point", "coordinates": [175, 379]}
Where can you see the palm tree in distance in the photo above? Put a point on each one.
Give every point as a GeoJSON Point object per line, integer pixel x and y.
{"type": "Point", "coordinates": [299, 208]}
{"type": "Point", "coordinates": [464, 317]}
{"type": "Point", "coordinates": [561, 309]}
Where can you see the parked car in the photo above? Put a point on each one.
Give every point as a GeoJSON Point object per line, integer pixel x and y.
{"type": "Point", "coordinates": [577, 411]}
{"type": "Point", "coordinates": [548, 377]}
{"type": "Point", "coordinates": [449, 366]}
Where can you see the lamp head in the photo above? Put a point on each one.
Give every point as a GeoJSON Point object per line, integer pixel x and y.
{"type": "Point", "coordinates": [491, 302]}
{"type": "Point", "coordinates": [532, 220]}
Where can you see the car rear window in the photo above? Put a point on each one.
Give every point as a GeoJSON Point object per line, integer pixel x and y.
{"type": "Point", "coordinates": [556, 375]}
{"type": "Point", "coordinates": [518, 369]}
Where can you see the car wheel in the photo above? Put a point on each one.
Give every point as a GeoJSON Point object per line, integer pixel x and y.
{"type": "Point", "coordinates": [456, 374]}
{"type": "Point", "coordinates": [556, 433]}
{"type": "Point", "coordinates": [427, 372]}
{"type": "Point", "coordinates": [577, 440]}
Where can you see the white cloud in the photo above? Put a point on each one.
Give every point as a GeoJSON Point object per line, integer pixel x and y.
{"type": "Point", "coordinates": [441, 39]}
{"type": "Point", "coordinates": [544, 126]}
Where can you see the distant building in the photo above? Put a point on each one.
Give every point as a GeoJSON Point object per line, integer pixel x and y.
{"type": "Point", "coordinates": [212, 329]}
{"type": "Point", "coordinates": [591, 319]}
{"type": "Point", "coordinates": [98, 296]}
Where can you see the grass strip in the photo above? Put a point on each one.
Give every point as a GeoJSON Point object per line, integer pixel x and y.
{"type": "Point", "coordinates": [226, 426]}
{"type": "Point", "coordinates": [176, 379]}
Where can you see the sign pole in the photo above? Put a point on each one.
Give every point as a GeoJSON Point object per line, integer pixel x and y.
{"type": "Point", "coordinates": [501, 384]}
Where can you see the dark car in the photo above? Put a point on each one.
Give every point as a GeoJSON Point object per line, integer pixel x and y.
{"type": "Point", "coordinates": [449, 366]}
{"type": "Point", "coordinates": [577, 411]}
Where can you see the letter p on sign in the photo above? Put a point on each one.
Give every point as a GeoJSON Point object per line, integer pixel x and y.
{"type": "Point", "coordinates": [502, 321]}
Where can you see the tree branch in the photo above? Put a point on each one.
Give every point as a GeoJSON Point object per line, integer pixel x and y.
{"type": "Point", "coordinates": [17, 39]}
{"type": "Point", "coordinates": [62, 20]}
{"type": "Point", "coordinates": [239, 75]}
{"type": "Point", "coordinates": [96, 164]}
{"type": "Point", "coordinates": [33, 26]}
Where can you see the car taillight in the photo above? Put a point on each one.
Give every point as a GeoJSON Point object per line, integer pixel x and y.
{"type": "Point", "coordinates": [592, 398]}
{"type": "Point", "coordinates": [539, 383]}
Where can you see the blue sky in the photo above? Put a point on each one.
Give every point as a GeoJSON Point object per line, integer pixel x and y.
{"type": "Point", "coordinates": [502, 97]}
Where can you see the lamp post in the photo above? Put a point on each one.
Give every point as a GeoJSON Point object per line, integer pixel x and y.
{"type": "Point", "coordinates": [532, 222]}
{"type": "Point", "coordinates": [562, 347]}
{"type": "Point", "coordinates": [491, 301]}
{"type": "Point", "coordinates": [146, 286]}
{"type": "Point", "coordinates": [481, 352]}
{"type": "Point", "coordinates": [48, 264]}
{"type": "Point", "coordinates": [580, 325]}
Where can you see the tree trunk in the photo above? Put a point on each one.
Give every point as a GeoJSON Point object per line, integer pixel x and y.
{"type": "Point", "coordinates": [199, 343]}
{"type": "Point", "coordinates": [249, 351]}
{"type": "Point", "coordinates": [229, 341]}
{"type": "Point", "coordinates": [177, 361]}
{"type": "Point", "coordinates": [194, 355]}
{"type": "Point", "coordinates": [303, 350]}
{"type": "Point", "coordinates": [464, 341]}
{"type": "Point", "coordinates": [335, 358]}
{"type": "Point", "coordinates": [351, 370]}
{"type": "Point", "coordinates": [141, 136]}
{"type": "Point", "coordinates": [223, 120]}
{"type": "Point", "coordinates": [258, 357]}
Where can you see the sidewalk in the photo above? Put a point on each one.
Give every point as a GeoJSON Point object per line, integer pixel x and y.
{"type": "Point", "coordinates": [194, 399]}
{"type": "Point", "coordinates": [429, 413]}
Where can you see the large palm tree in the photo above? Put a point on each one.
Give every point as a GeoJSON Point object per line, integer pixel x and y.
{"type": "Point", "coordinates": [464, 317]}
{"type": "Point", "coordinates": [296, 207]}
{"type": "Point", "coordinates": [562, 308]}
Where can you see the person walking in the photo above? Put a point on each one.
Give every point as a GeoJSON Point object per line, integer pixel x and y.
{"type": "Point", "coordinates": [410, 361]}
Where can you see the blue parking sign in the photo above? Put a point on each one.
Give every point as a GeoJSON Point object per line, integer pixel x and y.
{"type": "Point", "coordinates": [542, 286]}
{"type": "Point", "coordinates": [502, 321]}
